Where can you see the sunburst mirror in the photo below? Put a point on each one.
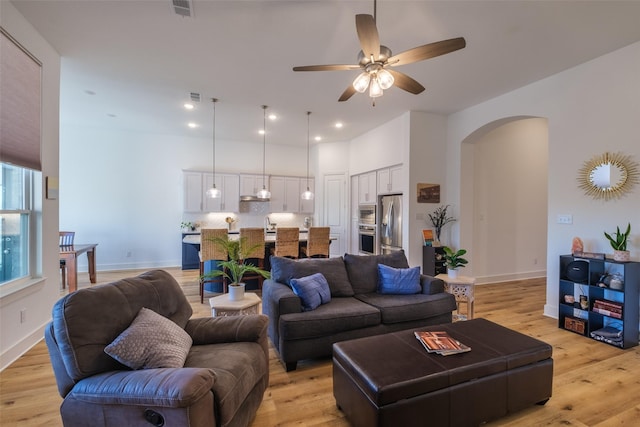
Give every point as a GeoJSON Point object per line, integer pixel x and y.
{"type": "Point", "coordinates": [608, 176]}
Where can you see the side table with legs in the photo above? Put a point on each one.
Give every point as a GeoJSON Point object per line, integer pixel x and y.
{"type": "Point", "coordinates": [462, 289]}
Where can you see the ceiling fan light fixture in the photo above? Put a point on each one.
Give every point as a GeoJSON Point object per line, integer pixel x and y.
{"type": "Point", "coordinates": [385, 79]}
{"type": "Point", "coordinates": [361, 82]}
{"type": "Point", "coordinates": [375, 90]}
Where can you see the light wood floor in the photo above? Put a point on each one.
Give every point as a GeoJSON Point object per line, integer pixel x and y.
{"type": "Point", "coordinates": [594, 384]}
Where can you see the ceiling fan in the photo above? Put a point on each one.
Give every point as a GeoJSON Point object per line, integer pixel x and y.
{"type": "Point", "coordinates": [375, 61]}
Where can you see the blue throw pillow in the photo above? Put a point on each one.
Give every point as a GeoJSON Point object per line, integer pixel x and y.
{"type": "Point", "coordinates": [313, 290]}
{"type": "Point", "coordinates": [398, 281]}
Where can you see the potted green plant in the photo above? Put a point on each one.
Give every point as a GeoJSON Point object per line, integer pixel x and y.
{"type": "Point", "coordinates": [618, 242]}
{"type": "Point", "coordinates": [189, 226]}
{"type": "Point", "coordinates": [439, 219]}
{"type": "Point", "coordinates": [235, 267]}
{"type": "Point", "coordinates": [454, 260]}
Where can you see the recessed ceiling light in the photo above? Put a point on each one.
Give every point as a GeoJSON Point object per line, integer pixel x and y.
{"type": "Point", "coordinates": [192, 125]}
{"type": "Point", "coordinates": [272, 117]}
{"type": "Point", "coordinates": [318, 138]}
{"type": "Point", "coordinates": [338, 125]}
{"type": "Point", "coordinates": [188, 106]}
{"type": "Point", "coordinates": [261, 131]}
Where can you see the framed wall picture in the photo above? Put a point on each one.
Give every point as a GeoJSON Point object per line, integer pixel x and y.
{"type": "Point", "coordinates": [428, 193]}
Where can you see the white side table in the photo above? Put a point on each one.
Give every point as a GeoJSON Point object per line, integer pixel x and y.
{"type": "Point", "coordinates": [223, 306]}
{"type": "Point", "coordinates": [462, 289]}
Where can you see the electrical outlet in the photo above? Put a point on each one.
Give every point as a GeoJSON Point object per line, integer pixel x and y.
{"type": "Point", "coordinates": [23, 315]}
{"type": "Point", "coordinates": [564, 219]}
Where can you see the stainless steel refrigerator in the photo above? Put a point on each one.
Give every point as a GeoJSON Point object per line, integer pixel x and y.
{"type": "Point", "coordinates": [390, 223]}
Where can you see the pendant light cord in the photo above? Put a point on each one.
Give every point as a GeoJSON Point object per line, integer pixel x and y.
{"type": "Point", "coordinates": [264, 144]}
{"type": "Point", "coordinates": [214, 100]}
{"type": "Point", "coordinates": [308, 115]}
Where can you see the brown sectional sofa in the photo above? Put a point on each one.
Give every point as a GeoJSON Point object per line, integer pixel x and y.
{"type": "Point", "coordinates": [356, 308]}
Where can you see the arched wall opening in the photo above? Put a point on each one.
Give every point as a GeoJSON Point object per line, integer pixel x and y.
{"type": "Point", "coordinates": [503, 199]}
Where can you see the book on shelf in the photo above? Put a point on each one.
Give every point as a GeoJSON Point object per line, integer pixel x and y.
{"type": "Point", "coordinates": [440, 342]}
{"type": "Point", "coordinates": [608, 308]}
{"type": "Point", "coordinates": [427, 236]}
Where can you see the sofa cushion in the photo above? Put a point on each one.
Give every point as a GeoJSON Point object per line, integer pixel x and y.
{"type": "Point", "coordinates": [151, 341]}
{"type": "Point", "coordinates": [333, 269]}
{"type": "Point", "coordinates": [341, 314]}
{"type": "Point", "coordinates": [398, 281]}
{"type": "Point", "coordinates": [237, 368]}
{"type": "Point", "coordinates": [362, 270]}
{"type": "Point", "coordinates": [313, 290]}
{"type": "Point", "coordinates": [407, 308]}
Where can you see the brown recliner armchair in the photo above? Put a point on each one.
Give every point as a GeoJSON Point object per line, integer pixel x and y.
{"type": "Point", "coordinates": [221, 384]}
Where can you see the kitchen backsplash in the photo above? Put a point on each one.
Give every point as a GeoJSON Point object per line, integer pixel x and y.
{"type": "Point", "coordinates": [252, 214]}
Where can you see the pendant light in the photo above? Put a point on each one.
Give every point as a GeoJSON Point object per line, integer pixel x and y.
{"type": "Point", "coordinates": [264, 193]}
{"type": "Point", "coordinates": [214, 192]}
{"type": "Point", "coordinates": [307, 195]}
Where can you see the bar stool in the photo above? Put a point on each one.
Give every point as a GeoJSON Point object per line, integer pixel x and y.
{"type": "Point", "coordinates": [317, 243]}
{"type": "Point", "coordinates": [287, 242]}
{"type": "Point", "coordinates": [254, 238]}
{"type": "Point", "coordinates": [210, 251]}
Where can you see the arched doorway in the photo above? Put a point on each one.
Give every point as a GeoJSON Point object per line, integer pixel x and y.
{"type": "Point", "coordinates": [503, 199]}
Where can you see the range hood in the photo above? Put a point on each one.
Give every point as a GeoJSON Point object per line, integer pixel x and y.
{"type": "Point", "coordinates": [252, 198]}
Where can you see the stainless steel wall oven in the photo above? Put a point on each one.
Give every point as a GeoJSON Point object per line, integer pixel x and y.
{"type": "Point", "coordinates": [367, 243]}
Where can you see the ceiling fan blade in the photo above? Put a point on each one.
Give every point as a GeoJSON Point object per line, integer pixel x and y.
{"type": "Point", "coordinates": [348, 93]}
{"type": "Point", "coordinates": [405, 82]}
{"type": "Point", "coordinates": [427, 51]}
{"type": "Point", "coordinates": [336, 67]}
{"type": "Point", "coordinates": [368, 35]}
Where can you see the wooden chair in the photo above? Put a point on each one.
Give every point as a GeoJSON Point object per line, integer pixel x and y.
{"type": "Point", "coordinates": [66, 239]}
{"type": "Point", "coordinates": [254, 237]}
{"type": "Point", "coordinates": [209, 251]}
{"type": "Point", "coordinates": [287, 242]}
{"type": "Point", "coordinates": [317, 243]}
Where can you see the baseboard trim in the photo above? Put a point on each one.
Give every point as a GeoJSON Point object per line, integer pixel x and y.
{"type": "Point", "coordinates": [510, 277]}
{"type": "Point", "coordinates": [14, 352]}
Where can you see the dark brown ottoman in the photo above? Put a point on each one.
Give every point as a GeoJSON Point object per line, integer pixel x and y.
{"type": "Point", "coordinates": [391, 380]}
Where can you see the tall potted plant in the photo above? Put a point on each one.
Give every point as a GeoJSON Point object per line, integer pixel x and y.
{"type": "Point", "coordinates": [439, 218]}
{"type": "Point", "coordinates": [454, 260]}
{"type": "Point", "coordinates": [619, 244]}
{"type": "Point", "coordinates": [235, 267]}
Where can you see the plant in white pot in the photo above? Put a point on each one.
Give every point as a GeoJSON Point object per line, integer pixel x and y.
{"type": "Point", "coordinates": [454, 260]}
{"type": "Point", "coordinates": [235, 267]}
{"type": "Point", "coordinates": [619, 243]}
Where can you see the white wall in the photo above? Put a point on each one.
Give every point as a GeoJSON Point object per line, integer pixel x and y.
{"type": "Point", "coordinates": [124, 190]}
{"type": "Point", "coordinates": [589, 111]}
{"type": "Point", "coordinates": [37, 300]}
{"type": "Point", "coordinates": [383, 146]}
{"type": "Point", "coordinates": [506, 172]}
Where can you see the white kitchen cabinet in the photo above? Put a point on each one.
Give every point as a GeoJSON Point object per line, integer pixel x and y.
{"type": "Point", "coordinates": [307, 206]}
{"type": "Point", "coordinates": [390, 180]}
{"type": "Point", "coordinates": [192, 191]}
{"type": "Point", "coordinates": [251, 184]}
{"type": "Point", "coordinates": [229, 186]}
{"type": "Point", "coordinates": [367, 188]}
{"type": "Point", "coordinates": [285, 194]}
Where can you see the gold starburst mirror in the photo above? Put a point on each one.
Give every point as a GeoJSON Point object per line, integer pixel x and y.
{"type": "Point", "coordinates": [608, 176]}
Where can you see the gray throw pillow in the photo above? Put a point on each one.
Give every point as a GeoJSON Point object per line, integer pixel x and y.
{"type": "Point", "coordinates": [285, 269]}
{"type": "Point", "coordinates": [363, 269]}
{"type": "Point", "coordinates": [151, 341]}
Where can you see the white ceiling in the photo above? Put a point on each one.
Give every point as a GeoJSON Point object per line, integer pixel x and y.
{"type": "Point", "coordinates": [142, 60]}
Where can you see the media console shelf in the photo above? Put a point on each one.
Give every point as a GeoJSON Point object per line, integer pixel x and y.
{"type": "Point", "coordinates": [606, 307]}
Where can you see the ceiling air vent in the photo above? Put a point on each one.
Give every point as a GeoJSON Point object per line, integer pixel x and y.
{"type": "Point", "coordinates": [182, 7]}
{"type": "Point", "coordinates": [195, 97]}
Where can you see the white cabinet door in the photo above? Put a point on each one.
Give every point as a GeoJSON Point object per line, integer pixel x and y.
{"type": "Point", "coordinates": [307, 206]}
{"type": "Point", "coordinates": [367, 188]}
{"type": "Point", "coordinates": [192, 191]}
{"type": "Point", "coordinates": [250, 184]}
{"type": "Point", "coordinates": [285, 194]}
{"type": "Point", "coordinates": [390, 180]}
{"type": "Point", "coordinates": [229, 200]}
